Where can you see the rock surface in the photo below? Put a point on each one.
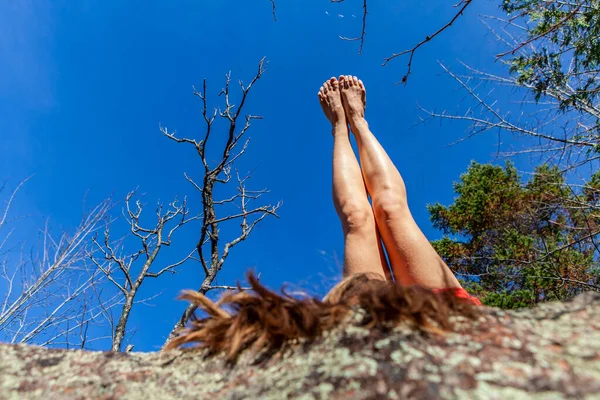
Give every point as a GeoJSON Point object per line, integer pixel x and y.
{"type": "Point", "coordinates": [549, 352]}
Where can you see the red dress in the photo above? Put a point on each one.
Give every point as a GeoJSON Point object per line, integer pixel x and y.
{"type": "Point", "coordinates": [460, 292]}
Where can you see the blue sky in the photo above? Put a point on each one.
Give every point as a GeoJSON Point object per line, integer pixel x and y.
{"type": "Point", "coordinates": [86, 84]}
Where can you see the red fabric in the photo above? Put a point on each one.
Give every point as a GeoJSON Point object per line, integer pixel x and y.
{"type": "Point", "coordinates": [460, 292]}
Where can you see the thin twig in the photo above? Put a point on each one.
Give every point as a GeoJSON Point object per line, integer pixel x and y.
{"type": "Point", "coordinates": [273, 10]}
{"type": "Point", "coordinates": [364, 27]}
{"type": "Point", "coordinates": [464, 3]}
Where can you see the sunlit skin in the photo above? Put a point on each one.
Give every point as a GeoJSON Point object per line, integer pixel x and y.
{"type": "Point", "coordinates": [362, 248]}
{"type": "Point", "coordinates": [413, 260]}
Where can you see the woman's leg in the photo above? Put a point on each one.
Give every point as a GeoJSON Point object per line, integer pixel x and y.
{"type": "Point", "coordinates": [362, 249]}
{"type": "Point", "coordinates": [413, 259]}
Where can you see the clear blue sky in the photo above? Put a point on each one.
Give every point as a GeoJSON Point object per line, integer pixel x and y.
{"type": "Point", "coordinates": [85, 85]}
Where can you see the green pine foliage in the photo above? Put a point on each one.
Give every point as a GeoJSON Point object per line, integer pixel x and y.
{"type": "Point", "coordinates": [515, 243]}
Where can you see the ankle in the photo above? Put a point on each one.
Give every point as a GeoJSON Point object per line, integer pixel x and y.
{"type": "Point", "coordinates": [339, 128]}
{"type": "Point", "coordinates": [358, 122]}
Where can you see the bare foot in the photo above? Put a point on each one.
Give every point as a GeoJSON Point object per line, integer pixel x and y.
{"type": "Point", "coordinates": [354, 97]}
{"type": "Point", "coordinates": [331, 102]}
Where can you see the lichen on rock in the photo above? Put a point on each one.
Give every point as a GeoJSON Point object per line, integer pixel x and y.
{"type": "Point", "coordinates": [551, 351]}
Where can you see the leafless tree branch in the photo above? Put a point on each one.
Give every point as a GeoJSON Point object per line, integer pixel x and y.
{"type": "Point", "coordinates": [273, 10]}
{"type": "Point", "coordinates": [51, 299]}
{"type": "Point", "coordinates": [567, 137]}
{"type": "Point", "coordinates": [211, 249]}
{"type": "Point", "coordinates": [152, 240]}
{"type": "Point", "coordinates": [363, 32]}
{"type": "Point", "coordinates": [462, 5]}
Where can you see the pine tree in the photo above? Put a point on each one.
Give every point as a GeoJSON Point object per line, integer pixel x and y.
{"type": "Point", "coordinates": [516, 243]}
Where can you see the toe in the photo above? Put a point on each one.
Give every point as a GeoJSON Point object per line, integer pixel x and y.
{"type": "Point", "coordinates": [361, 84]}
{"type": "Point", "coordinates": [334, 84]}
{"type": "Point", "coordinates": [355, 80]}
{"type": "Point", "coordinates": [344, 81]}
{"type": "Point", "coordinates": [350, 81]}
{"type": "Point", "coordinates": [328, 86]}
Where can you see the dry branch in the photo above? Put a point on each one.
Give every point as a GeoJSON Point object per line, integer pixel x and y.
{"type": "Point", "coordinates": [120, 268]}
{"type": "Point", "coordinates": [570, 139]}
{"type": "Point", "coordinates": [273, 10]}
{"type": "Point", "coordinates": [211, 248]}
{"type": "Point", "coordinates": [463, 4]}
{"type": "Point", "coordinates": [49, 287]}
{"type": "Point", "coordinates": [363, 32]}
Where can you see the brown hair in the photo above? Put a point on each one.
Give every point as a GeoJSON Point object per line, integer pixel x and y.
{"type": "Point", "coordinates": [264, 320]}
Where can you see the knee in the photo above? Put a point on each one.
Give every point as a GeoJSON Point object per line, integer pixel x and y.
{"type": "Point", "coordinates": [390, 205]}
{"type": "Point", "coordinates": [356, 216]}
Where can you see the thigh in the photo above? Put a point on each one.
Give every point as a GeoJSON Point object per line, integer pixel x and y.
{"type": "Point", "coordinates": [413, 259]}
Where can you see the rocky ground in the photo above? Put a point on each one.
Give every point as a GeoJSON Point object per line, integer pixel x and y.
{"type": "Point", "coordinates": [549, 352]}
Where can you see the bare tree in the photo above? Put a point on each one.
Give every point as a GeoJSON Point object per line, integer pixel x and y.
{"type": "Point", "coordinates": [211, 248]}
{"type": "Point", "coordinates": [60, 296]}
{"type": "Point", "coordinates": [119, 267]}
{"type": "Point", "coordinates": [50, 293]}
{"type": "Point", "coordinates": [561, 117]}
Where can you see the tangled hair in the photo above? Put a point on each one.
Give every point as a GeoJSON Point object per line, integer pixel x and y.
{"type": "Point", "coordinates": [263, 320]}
